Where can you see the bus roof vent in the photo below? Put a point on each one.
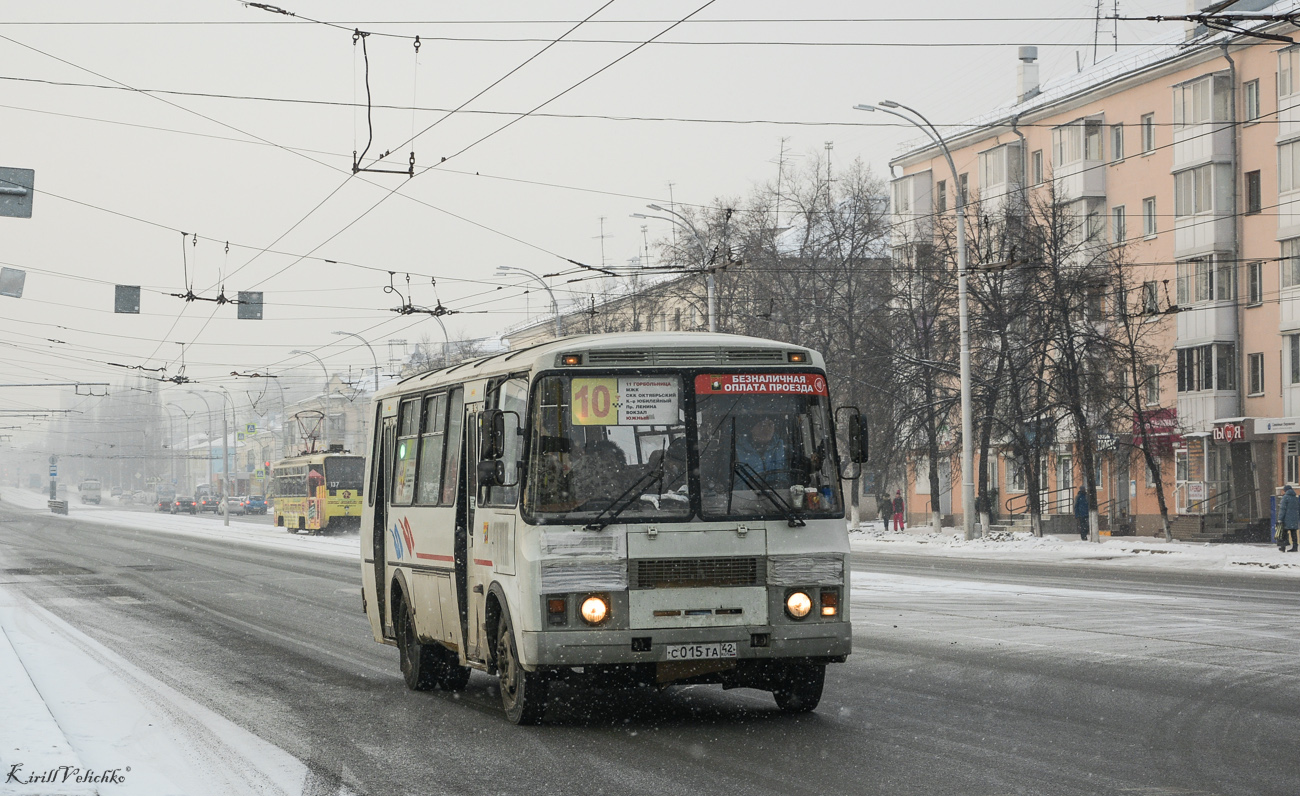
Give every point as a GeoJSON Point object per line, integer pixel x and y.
{"type": "Point", "coordinates": [618, 356]}
{"type": "Point", "coordinates": [686, 356]}
{"type": "Point", "coordinates": [753, 356]}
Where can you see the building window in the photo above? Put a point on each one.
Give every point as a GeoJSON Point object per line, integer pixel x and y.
{"type": "Point", "coordinates": [1150, 298]}
{"type": "Point", "coordinates": [1254, 200]}
{"type": "Point", "coordinates": [1118, 225]}
{"type": "Point", "coordinates": [1148, 133]}
{"type": "Point", "coordinates": [1250, 99]}
{"type": "Point", "coordinates": [1288, 167]}
{"type": "Point", "coordinates": [1015, 475]}
{"type": "Point", "coordinates": [1201, 101]}
{"type": "Point", "coordinates": [1207, 367]}
{"type": "Point", "coordinates": [1291, 262]}
{"type": "Point", "coordinates": [1293, 460]}
{"type": "Point", "coordinates": [1294, 345]}
{"type": "Point", "coordinates": [1079, 140]}
{"type": "Point", "coordinates": [1288, 66]}
{"type": "Point", "coordinates": [1255, 283]}
{"type": "Point", "coordinates": [964, 188]}
{"type": "Point", "coordinates": [1036, 161]}
{"type": "Point", "coordinates": [1153, 384]}
{"type": "Point", "coordinates": [1256, 374]}
{"type": "Point", "coordinates": [1195, 281]}
{"type": "Point", "coordinates": [1194, 191]}
{"type": "Point", "coordinates": [1116, 143]}
{"type": "Point", "coordinates": [1149, 216]}
{"type": "Point", "coordinates": [941, 196]}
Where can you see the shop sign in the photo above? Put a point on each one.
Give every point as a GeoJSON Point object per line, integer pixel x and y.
{"type": "Point", "coordinates": [1229, 432]}
{"type": "Point", "coordinates": [1195, 493]}
{"type": "Point", "coordinates": [1277, 425]}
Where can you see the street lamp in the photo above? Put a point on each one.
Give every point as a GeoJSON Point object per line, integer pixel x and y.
{"type": "Point", "coordinates": [555, 305]}
{"type": "Point", "coordinates": [327, 391]}
{"type": "Point", "coordinates": [374, 358]}
{"type": "Point", "coordinates": [225, 450]}
{"type": "Point", "coordinates": [967, 423]}
{"type": "Point", "coordinates": [684, 223]}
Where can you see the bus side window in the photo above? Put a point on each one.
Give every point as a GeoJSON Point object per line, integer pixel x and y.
{"type": "Point", "coordinates": [408, 443]}
{"type": "Point", "coordinates": [429, 488]}
{"type": "Point", "coordinates": [451, 462]}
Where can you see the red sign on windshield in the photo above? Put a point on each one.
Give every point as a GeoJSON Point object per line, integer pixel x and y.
{"type": "Point", "coordinates": [761, 384]}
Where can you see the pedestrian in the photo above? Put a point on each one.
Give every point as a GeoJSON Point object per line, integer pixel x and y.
{"type": "Point", "coordinates": [1081, 513]}
{"type": "Point", "coordinates": [898, 510]}
{"type": "Point", "coordinates": [884, 506]}
{"type": "Point", "coordinates": [1289, 516]}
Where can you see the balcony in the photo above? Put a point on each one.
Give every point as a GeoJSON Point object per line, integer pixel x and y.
{"type": "Point", "coordinates": [913, 209]}
{"type": "Point", "coordinates": [1198, 411]}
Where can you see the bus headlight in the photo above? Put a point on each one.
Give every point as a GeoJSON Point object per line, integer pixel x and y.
{"type": "Point", "coordinates": [798, 604]}
{"type": "Point", "coordinates": [595, 609]}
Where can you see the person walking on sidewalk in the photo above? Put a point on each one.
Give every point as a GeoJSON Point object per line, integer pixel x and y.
{"type": "Point", "coordinates": [1081, 513]}
{"type": "Point", "coordinates": [898, 510]}
{"type": "Point", "coordinates": [1289, 516]}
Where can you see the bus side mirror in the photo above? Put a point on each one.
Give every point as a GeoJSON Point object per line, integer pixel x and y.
{"type": "Point", "coordinates": [492, 473]}
{"type": "Point", "coordinates": [492, 434]}
{"type": "Point", "coordinates": [859, 441]}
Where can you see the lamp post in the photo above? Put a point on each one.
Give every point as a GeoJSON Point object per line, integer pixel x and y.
{"type": "Point", "coordinates": [327, 391]}
{"type": "Point", "coordinates": [555, 305]}
{"type": "Point", "coordinates": [373, 358]}
{"type": "Point", "coordinates": [225, 450]}
{"type": "Point", "coordinates": [681, 221]}
{"type": "Point", "coordinates": [967, 423]}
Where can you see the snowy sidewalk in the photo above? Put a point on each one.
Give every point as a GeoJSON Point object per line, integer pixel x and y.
{"type": "Point", "coordinates": [80, 719]}
{"type": "Point", "coordinates": [1141, 552]}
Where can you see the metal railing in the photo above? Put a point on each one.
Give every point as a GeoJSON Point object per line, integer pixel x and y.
{"type": "Point", "coordinates": [1049, 503]}
{"type": "Point", "coordinates": [1221, 507]}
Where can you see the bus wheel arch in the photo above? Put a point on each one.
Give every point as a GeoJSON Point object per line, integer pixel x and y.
{"type": "Point", "coordinates": [398, 596]}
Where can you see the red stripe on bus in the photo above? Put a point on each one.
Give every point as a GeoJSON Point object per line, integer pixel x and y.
{"type": "Point", "coordinates": [483, 562]}
{"type": "Point", "coordinates": [432, 557]}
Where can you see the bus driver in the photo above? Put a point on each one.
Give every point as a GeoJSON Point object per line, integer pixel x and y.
{"type": "Point", "coordinates": [759, 448]}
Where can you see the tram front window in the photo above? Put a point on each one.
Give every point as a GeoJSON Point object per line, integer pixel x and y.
{"type": "Point", "coordinates": [606, 444]}
{"type": "Point", "coordinates": [345, 472]}
{"type": "Point", "coordinates": [764, 446]}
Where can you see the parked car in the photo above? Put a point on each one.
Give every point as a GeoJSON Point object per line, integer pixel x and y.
{"type": "Point", "coordinates": [185, 504]}
{"type": "Point", "coordinates": [210, 503]}
{"type": "Point", "coordinates": [255, 504]}
{"type": "Point", "coordinates": [115, 491]}
{"type": "Point", "coordinates": [235, 505]}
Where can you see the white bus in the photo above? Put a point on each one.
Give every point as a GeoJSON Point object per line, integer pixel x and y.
{"type": "Point", "coordinates": [657, 508]}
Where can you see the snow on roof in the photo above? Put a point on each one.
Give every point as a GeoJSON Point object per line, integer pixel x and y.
{"type": "Point", "coordinates": [1167, 47]}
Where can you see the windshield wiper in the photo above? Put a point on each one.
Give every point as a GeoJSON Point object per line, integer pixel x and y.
{"type": "Point", "coordinates": [759, 484]}
{"type": "Point", "coordinates": [634, 492]}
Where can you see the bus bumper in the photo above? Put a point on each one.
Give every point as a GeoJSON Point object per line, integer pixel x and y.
{"type": "Point", "coordinates": [820, 640]}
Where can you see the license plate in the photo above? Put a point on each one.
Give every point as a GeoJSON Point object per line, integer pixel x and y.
{"type": "Point", "coordinates": [700, 652]}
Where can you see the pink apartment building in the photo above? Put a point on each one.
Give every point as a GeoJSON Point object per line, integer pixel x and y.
{"type": "Point", "coordinates": [1189, 150]}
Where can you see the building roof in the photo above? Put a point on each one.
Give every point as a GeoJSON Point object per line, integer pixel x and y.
{"type": "Point", "coordinates": [1161, 51]}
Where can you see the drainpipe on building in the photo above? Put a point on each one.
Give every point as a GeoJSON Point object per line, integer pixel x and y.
{"type": "Point", "coordinates": [1236, 230]}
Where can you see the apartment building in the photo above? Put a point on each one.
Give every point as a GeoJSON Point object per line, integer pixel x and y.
{"type": "Point", "coordinates": [1186, 151]}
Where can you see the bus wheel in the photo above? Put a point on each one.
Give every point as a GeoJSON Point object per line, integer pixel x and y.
{"type": "Point", "coordinates": [802, 689]}
{"type": "Point", "coordinates": [421, 663]}
{"type": "Point", "coordinates": [452, 676]}
{"type": "Point", "coordinates": [523, 693]}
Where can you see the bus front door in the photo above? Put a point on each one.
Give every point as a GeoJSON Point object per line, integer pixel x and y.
{"type": "Point", "coordinates": [379, 533]}
{"type": "Point", "coordinates": [477, 566]}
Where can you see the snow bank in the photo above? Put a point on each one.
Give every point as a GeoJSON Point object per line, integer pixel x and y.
{"type": "Point", "coordinates": [1125, 552]}
{"type": "Point", "coordinates": [204, 526]}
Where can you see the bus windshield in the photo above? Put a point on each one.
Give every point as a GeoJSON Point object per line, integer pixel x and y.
{"type": "Point", "coordinates": [345, 472]}
{"type": "Point", "coordinates": [605, 444]}
{"type": "Point", "coordinates": [764, 446]}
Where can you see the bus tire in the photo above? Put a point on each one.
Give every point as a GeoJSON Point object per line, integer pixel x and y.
{"type": "Point", "coordinates": [523, 693]}
{"type": "Point", "coordinates": [802, 689]}
{"type": "Point", "coordinates": [421, 663]}
{"type": "Point", "coordinates": [452, 676]}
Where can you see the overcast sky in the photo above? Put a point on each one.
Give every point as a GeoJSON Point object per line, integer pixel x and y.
{"type": "Point", "coordinates": [121, 172]}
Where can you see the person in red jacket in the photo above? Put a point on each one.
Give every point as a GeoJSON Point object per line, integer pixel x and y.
{"type": "Point", "coordinates": [898, 510]}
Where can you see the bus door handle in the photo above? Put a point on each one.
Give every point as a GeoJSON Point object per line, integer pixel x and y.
{"type": "Point", "coordinates": [478, 588]}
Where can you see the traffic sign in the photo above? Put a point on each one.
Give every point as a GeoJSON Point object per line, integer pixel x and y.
{"type": "Point", "coordinates": [251, 428]}
{"type": "Point", "coordinates": [54, 471]}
